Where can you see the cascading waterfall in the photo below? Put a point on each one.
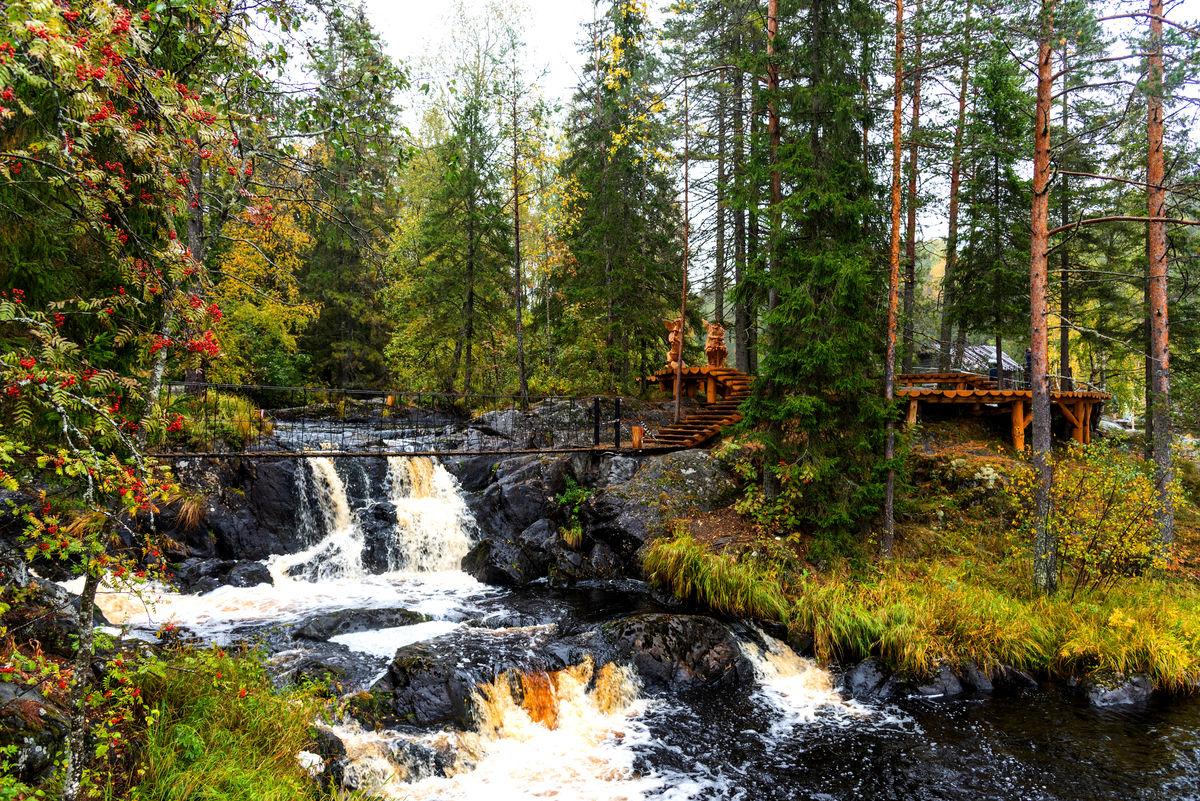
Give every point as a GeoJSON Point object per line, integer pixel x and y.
{"type": "Point", "coordinates": [340, 552]}
{"type": "Point", "coordinates": [434, 528]}
{"type": "Point", "coordinates": [795, 687]}
{"type": "Point", "coordinates": [569, 733]}
{"type": "Point", "coordinates": [432, 532]}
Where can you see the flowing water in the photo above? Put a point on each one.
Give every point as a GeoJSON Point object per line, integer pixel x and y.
{"type": "Point", "coordinates": [594, 733]}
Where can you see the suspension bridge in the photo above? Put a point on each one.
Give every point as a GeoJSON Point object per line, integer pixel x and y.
{"type": "Point", "coordinates": [272, 422]}
{"type": "Point", "coordinates": [266, 422]}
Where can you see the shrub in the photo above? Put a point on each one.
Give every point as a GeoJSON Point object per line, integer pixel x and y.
{"type": "Point", "coordinates": [216, 729]}
{"type": "Point", "coordinates": [211, 421]}
{"type": "Point", "coordinates": [572, 499]}
{"type": "Point", "coordinates": [1103, 515]}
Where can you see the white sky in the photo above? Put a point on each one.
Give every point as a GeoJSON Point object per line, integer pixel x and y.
{"type": "Point", "coordinates": [414, 29]}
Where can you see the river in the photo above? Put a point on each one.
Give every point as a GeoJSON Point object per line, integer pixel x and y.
{"type": "Point", "coordinates": [591, 733]}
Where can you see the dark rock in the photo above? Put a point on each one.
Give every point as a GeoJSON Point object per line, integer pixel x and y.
{"type": "Point", "coordinates": [1010, 678]}
{"type": "Point", "coordinates": [36, 729]}
{"type": "Point", "coordinates": [248, 574]}
{"type": "Point", "coordinates": [432, 682]}
{"type": "Point", "coordinates": [944, 684]}
{"type": "Point", "coordinates": [204, 575]}
{"type": "Point", "coordinates": [867, 681]}
{"type": "Point", "coordinates": [14, 572]}
{"type": "Point", "coordinates": [350, 621]}
{"type": "Point", "coordinates": [325, 662]}
{"type": "Point", "coordinates": [1132, 691]}
{"type": "Point", "coordinates": [976, 679]}
{"type": "Point", "coordinates": [679, 651]}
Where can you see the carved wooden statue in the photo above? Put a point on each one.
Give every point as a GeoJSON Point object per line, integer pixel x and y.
{"type": "Point", "coordinates": [714, 346]}
{"type": "Point", "coordinates": [674, 341]}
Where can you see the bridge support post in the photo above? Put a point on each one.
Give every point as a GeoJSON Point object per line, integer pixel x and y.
{"type": "Point", "coordinates": [1018, 425]}
{"type": "Point", "coordinates": [617, 425]}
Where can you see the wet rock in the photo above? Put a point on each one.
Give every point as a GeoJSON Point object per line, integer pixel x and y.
{"type": "Point", "coordinates": [205, 575]}
{"type": "Point", "coordinates": [944, 684]}
{"type": "Point", "coordinates": [14, 572]}
{"type": "Point", "coordinates": [350, 621]}
{"type": "Point", "coordinates": [431, 682]}
{"type": "Point", "coordinates": [248, 574]}
{"type": "Point", "coordinates": [1007, 677]}
{"type": "Point", "coordinates": [868, 681]}
{"type": "Point", "coordinates": [1120, 691]}
{"type": "Point", "coordinates": [325, 663]}
{"type": "Point", "coordinates": [976, 679]}
{"type": "Point", "coordinates": [679, 651]}
{"type": "Point", "coordinates": [34, 728]}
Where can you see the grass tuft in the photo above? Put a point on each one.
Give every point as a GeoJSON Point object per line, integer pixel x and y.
{"type": "Point", "coordinates": [213, 741]}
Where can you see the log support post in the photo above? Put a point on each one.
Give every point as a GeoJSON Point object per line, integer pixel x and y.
{"type": "Point", "coordinates": [1018, 425]}
{"type": "Point", "coordinates": [1079, 422]}
{"type": "Point", "coordinates": [711, 384]}
{"type": "Point", "coordinates": [913, 408]}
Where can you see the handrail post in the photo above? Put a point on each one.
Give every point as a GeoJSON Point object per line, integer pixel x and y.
{"type": "Point", "coordinates": [596, 422]}
{"type": "Point", "coordinates": [617, 424]}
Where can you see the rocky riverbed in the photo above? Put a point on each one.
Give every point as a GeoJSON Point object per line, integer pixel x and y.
{"type": "Point", "coordinates": [478, 647]}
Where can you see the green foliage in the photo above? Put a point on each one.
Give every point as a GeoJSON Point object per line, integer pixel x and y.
{"type": "Point", "coordinates": [214, 420]}
{"type": "Point", "coordinates": [914, 615]}
{"type": "Point", "coordinates": [217, 729]}
{"type": "Point", "coordinates": [571, 501]}
{"type": "Point", "coordinates": [745, 587]}
{"type": "Point", "coordinates": [818, 408]}
{"type": "Point", "coordinates": [992, 276]}
{"type": "Point", "coordinates": [619, 278]}
{"type": "Point", "coordinates": [1103, 515]}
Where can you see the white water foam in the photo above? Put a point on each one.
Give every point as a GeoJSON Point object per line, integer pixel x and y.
{"type": "Point", "coordinates": [586, 750]}
{"type": "Point", "coordinates": [434, 527]}
{"type": "Point", "coordinates": [385, 642]}
{"type": "Point", "coordinates": [340, 552]}
{"type": "Point", "coordinates": [801, 692]}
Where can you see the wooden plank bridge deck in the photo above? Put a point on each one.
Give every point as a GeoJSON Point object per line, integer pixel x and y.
{"type": "Point", "coordinates": [1080, 409]}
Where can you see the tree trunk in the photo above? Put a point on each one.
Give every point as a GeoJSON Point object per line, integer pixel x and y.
{"type": "Point", "coordinates": [910, 228]}
{"type": "Point", "coordinates": [519, 288]}
{"type": "Point", "coordinates": [1156, 201]}
{"type": "Point", "coordinates": [1045, 548]}
{"type": "Point", "coordinates": [889, 360]}
{"type": "Point", "coordinates": [770, 479]}
{"type": "Point", "coordinates": [1064, 280]}
{"type": "Point", "coordinates": [722, 177]}
{"type": "Point", "coordinates": [755, 235]}
{"type": "Point", "coordinates": [948, 276]}
{"type": "Point", "coordinates": [741, 311]}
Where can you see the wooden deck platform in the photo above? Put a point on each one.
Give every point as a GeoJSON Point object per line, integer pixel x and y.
{"type": "Point", "coordinates": [1079, 408]}
{"type": "Point", "coordinates": [721, 391]}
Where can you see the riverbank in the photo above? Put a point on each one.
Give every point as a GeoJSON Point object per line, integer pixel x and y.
{"type": "Point", "coordinates": [957, 593]}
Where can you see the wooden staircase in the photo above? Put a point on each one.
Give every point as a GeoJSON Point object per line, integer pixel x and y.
{"type": "Point", "coordinates": [724, 388]}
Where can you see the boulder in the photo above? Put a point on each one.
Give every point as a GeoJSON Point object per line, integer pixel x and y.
{"type": "Point", "coordinates": [1120, 691]}
{"type": "Point", "coordinates": [679, 651]}
{"type": "Point", "coordinates": [196, 575]}
{"type": "Point", "coordinates": [35, 729]}
{"type": "Point", "coordinates": [325, 662]}
{"type": "Point", "coordinates": [349, 621]}
{"type": "Point", "coordinates": [868, 681]}
{"type": "Point", "coordinates": [432, 682]}
{"type": "Point", "coordinates": [943, 684]}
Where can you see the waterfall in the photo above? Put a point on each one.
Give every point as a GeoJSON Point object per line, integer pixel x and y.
{"type": "Point", "coordinates": [340, 552]}
{"type": "Point", "coordinates": [570, 733]}
{"type": "Point", "coordinates": [796, 688]}
{"type": "Point", "coordinates": [434, 528]}
{"type": "Point", "coordinates": [430, 530]}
